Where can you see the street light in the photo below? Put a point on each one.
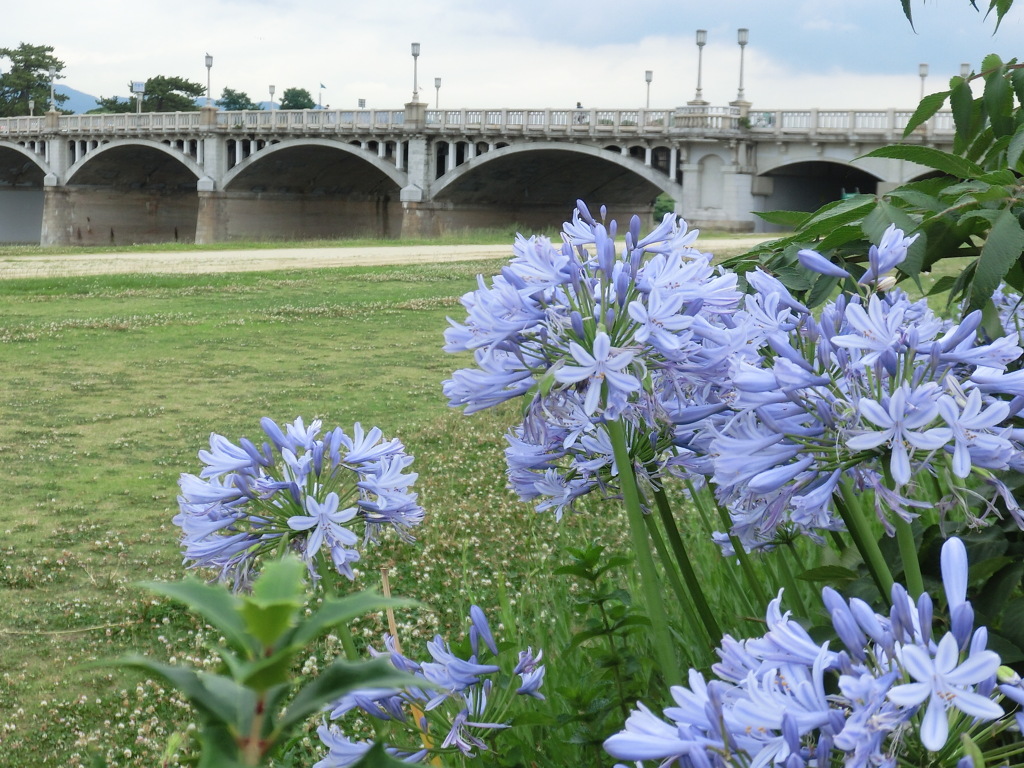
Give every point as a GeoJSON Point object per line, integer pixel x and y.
{"type": "Point", "coordinates": [965, 70]}
{"type": "Point", "coordinates": [272, 89]}
{"type": "Point", "coordinates": [922, 70]}
{"type": "Point", "coordinates": [702, 39]}
{"type": "Point", "coordinates": [743, 37]}
{"type": "Point", "coordinates": [437, 93]}
{"type": "Point", "coordinates": [53, 103]}
{"type": "Point", "coordinates": [209, 66]}
{"type": "Point", "coordinates": [31, 107]}
{"type": "Point", "coordinates": [648, 76]}
{"type": "Point", "coordinates": [415, 79]}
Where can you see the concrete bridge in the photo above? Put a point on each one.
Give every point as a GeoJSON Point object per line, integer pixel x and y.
{"type": "Point", "coordinates": [212, 176]}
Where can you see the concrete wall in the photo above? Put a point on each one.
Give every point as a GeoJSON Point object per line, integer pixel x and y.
{"type": "Point", "coordinates": [21, 214]}
{"type": "Point", "coordinates": [272, 216]}
{"type": "Point", "coordinates": [103, 216]}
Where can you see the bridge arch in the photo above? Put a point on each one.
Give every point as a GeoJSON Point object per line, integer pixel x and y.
{"type": "Point", "coordinates": [120, 147]}
{"type": "Point", "coordinates": [309, 188]}
{"type": "Point", "coordinates": [806, 185]}
{"type": "Point", "coordinates": [399, 178]}
{"type": "Point", "coordinates": [22, 172]}
{"type": "Point", "coordinates": [552, 175]}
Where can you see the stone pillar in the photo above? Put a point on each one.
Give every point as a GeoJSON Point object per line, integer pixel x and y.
{"type": "Point", "coordinates": [212, 218]}
{"type": "Point", "coordinates": [647, 156]}
{"type": "Point", "coordinates": [691, 190]}
{"type": "Point", "coordinates": [419, 220]}
{"type": "Point", "coordinates": [673, 164]}
{"type": "Point", "coordinates": [208, 116]}
{"type": "Point", "coordinates": [738, 199]}
{"type": "Point", "coordinates": [419, 170]}
{"type": "Point", "coordinates": [56, 229]}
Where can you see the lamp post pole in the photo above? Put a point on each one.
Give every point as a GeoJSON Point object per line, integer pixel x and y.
{"type": "Point", "coordinates": [965, 70]}
{"type": "Point", "coordinates": [743, 37]}
{"type": "Point", "coordinates": [648, 76]}
{"type": "Point", "coordinates": [437, 94]}
{"type": "Point", "coordinates": [702, 39]}
{"type": "Point", "coordinates": [31, 107]}
{"type": "Point", "coordinates": [209, 67]}
{"type": "Point", "coordinates": [922, 70]}
{"type": "Point", "coordinates": [272, 89]}
{"type": "Point", "coordinates": [415, 76]}
{"type": "Point", "coordinates": [53, 103]}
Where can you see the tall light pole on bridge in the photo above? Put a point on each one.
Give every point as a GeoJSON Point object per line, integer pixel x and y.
{"type": "Point", "coordinates": [742, 37]}
{"type": "Point", "coordinates": [53, 102]}
{"type": "Point", "coordinates": [922, 70]}
{"type": "Point", "coordinates": [272, 89]}
{"type": "Point", "coordinates": [415, 78]}
{"type": "Point", "coordinates": [648, 76]}
{"type": "Point", "coordinates": [209, 67]}
{"type": "Point", "coordinates": [702, 40]}
{"type": "Point", "coordinates": [437, 93]}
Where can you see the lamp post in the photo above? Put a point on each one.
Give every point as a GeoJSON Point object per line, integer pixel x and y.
{"type": "Point", "coordinates": [743, 37]}
{"type": "Point", "coordinates": [53, 103]}
{"type": "Point", "coordinates": [648, 76]}
{"type": "Point", "coordinates": [272, 89]}
{"type": "Point", "coordinates": [415, 77]}
{"type": "Point", "coordinates": [209, 66]}
{"type": "Point", "coordinates": [965, 70]}
{"type": "Point", "coordinates": [437, 93]}
{"type": "Point", "coordinates": [138, 90]}
{"type": "Point", "coordinates": [922, 70]}
{"type": "Point", "coordinates": [702, 39]}
{"type": "Point", "coordinates": [31, 107]}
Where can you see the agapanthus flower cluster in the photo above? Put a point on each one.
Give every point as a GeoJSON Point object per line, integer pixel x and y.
{"type": "Point", "coordinates": [875, 396]}
{"type": "Point", "coordinates": [318, 495]}
{"type": "Point", "coordinates": [893, 693]}
{"type": "Point", "coordinates": [461, 701]}
{"type": "Point", "coordinates": [593, 335]}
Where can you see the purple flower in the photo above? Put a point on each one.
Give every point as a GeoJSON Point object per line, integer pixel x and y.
{"type": "Point", "coordinates": [602, 367]}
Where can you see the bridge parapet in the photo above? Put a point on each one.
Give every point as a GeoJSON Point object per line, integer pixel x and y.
{"type": "Point", "coordinates": [869, 125]}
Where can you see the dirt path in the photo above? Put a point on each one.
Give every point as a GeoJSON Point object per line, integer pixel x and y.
{"type": "Point", "coordinates": [199, 262]}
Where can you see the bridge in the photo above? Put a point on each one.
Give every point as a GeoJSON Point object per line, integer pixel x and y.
{"type": "Point", "coordinates": [213, 176]}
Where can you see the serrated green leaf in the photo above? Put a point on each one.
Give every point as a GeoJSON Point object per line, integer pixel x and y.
{"type": "Point", "coordinates": [917, 199]}
{"type": "Point", "coordinates": [823, 288]}
{"type": "Point", "coordinates": [835, 214]}
{"type": "Point", "coordinates": [966, 115]}
{"type": "Point", "coordinates": [1017, 81]}
{"type": "Point", "coordinates": [788, 219]}
{"type": "Point", "coordinates": [941, 286]}
{"type": "Point", "coordinates": [794, 278]}
{"type": "Point", "coordinates": [214, 603]}
{"type": "Point", "coordinates": [998, 100]}
{"type": "Point", "coordinates": [1002, 248]}
{"type": "Point", "coordinates": [1016, 148]}
{"type": "Point", "coordinates": [335, 611]}
{"type": "Point", "coordinates": [839, 237]}
{"type": "Point", "coordinates": [931, 158]}
{"type": "Point", "coordinates": [929, 105]}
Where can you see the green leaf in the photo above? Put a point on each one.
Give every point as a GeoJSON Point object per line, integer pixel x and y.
{"type": "Point", "coordinates": [839, 237]}
{"type": "Point", "coordinates": [822, 289]}
{"type": "Point", "coordinates": [942, 285]}
{"type": "Point", "coordinates": [340, 678]}
{"type": "Point", "coordinates": [1002, 248]}
{"type": "Point", "coordinates": [966, 115]}
{"type": "Point", "coordinates": [276, 599]}
{"type": "Point", "coordinates": [1017, 81]}
{"type": "Point", "coordinates": [335, 611]}
{"type": "Point", "coordinates": [929, 105]}
{"type": "Point", "coordinates": [214, 603]}
{"type": "Point", "coordinates": [931, 158]}
{"type": "Point", "coordinates": [788, 219]}
{"type": "Point", "coordinates": [971, 749]}
{"type": "Point", "coordinates": [998, 99]}
{"type": "Point", "coordinates": [1016, 149]}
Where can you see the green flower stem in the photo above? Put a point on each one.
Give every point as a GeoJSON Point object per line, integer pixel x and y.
{"type": "Point", "coordinates": [682, 558]}
{"type": "Point", "coordinates": [347, 642]}
{"type": "Point", "coordinates": [908, 554]}
{"type": "Point", "coordinates": [789, 581]}
{"type": "Point", "coordinates": [850, 510]}
{"type": "Point", "coordinates": [648, 572]}
{"type": "Point", "coordinates": [753, 582]}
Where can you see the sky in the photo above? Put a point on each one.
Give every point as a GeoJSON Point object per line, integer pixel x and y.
{"type": "Point", "coordinates": [829, 54]}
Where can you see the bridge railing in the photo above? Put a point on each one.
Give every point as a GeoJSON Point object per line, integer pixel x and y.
{"type": "Point", "coordinates": [888, 124]}
{"type": "Point", "coordinates": [554, 121]}
{"type": "Point", "coordinates": [884, 125]}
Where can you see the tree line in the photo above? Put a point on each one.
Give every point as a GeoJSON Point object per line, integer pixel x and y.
{"type": "Point", "coordinates": [25, 83]}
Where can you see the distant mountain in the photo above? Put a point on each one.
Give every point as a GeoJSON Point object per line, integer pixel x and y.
{"type": "Point", "coordinates": [77, 102]}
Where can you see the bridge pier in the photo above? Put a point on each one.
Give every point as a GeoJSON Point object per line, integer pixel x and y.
{"type": "Point", "coordinates": [56, 227]}
{"type": "Point", "coordinates": [212, 219]}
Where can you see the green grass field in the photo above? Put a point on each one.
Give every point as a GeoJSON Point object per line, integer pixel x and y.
{"type": "Point", "coordinates": [109, 386]}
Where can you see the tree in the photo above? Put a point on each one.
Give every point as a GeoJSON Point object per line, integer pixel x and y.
{"type": "Point", "coordinates": [1001, 7]}
{"type": "Point", "coordinates": [297, 98]}
{"type": "Point", "coordinates": [235, 101]}
{"type": "Point", "coordinates": [162, 94]}
{"type": "Point", "coordinates": [27, 77]}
